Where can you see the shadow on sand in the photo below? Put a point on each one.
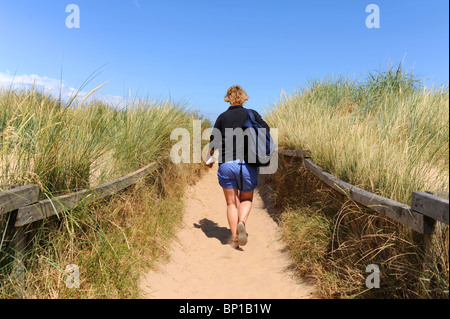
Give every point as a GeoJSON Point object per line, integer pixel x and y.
{"type": "Point", "coordinates": [212, 230]}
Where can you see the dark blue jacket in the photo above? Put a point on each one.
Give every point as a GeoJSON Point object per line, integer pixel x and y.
{"type": "Point", "coordinates": [233, 118]}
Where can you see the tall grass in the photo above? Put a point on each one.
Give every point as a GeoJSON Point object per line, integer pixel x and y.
{"type": "Point", "coordinates": [59, 146]}
{"type": "Point", "coordinates": [63, 147]}
{"type": "Point", "coordinates": [387, 134]}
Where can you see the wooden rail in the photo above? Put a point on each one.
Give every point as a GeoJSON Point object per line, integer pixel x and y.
{"type": "Point", "coordinates": [11, 200]}
{"type": "Point", "coordinates": [24, 201]}
{"type": "Point", "coordinates": [426, 208]}
{"type": "Point", "coordinates": [46, 208]}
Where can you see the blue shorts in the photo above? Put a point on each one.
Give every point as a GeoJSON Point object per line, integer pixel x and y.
{"type": "Point", "coordinates": [230, 177]}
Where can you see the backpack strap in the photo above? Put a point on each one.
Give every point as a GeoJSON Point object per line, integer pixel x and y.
{"type": "Point", "coordinates": [242, 179]}
{"type": "Point", "coordinates": [251, 114]}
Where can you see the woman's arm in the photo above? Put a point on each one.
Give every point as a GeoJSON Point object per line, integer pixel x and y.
{"type": "Point", "coordinates": [214, 143]}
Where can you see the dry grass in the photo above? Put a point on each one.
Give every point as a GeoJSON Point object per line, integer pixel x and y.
{"type": "Point", "coordinates": [113, 242]}
{"type": "Point", "coordinates": [386, 134]}
{"type": "Point", "coordinates": [332, 240]}
{"type": "Point", "coordinates": [62, 148]}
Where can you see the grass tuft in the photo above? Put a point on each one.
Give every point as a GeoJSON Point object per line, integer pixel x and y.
{"type": "Point", "coordinates": [63, 148]}
{"type": "Point", "coordinates": [387, 134]}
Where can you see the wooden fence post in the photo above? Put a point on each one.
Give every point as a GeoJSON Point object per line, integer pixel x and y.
{"type": "Point", "coordinates": [435, 207]}
{"type": "Point", "coordinates": [427, 216]}
{"type": "Point", "coordinates": [23, 203]}
{"type": "Point", "coordinates": [10, 202]}
{"type": "Point", "coordinates": [19, 267]}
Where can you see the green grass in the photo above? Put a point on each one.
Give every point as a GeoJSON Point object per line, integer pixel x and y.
{"type": "Point", "coordinates": [60, 147]}
{"type": "Point", "coordinates": [387, 134]}
{"type": "Point", "coordinates": [63, 147]}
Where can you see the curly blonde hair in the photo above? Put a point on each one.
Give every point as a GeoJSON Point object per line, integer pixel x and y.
{"type": "Point", "coordinates": [236, 95]}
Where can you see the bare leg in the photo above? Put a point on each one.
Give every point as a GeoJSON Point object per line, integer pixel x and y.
{"type": "Point", "coordinates": [245, 206]}
{"type": "Point", "coordinates": [233, 204]}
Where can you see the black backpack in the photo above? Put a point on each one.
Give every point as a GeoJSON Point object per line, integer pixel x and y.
{"type": "Point", "coordinates": [260, 144]}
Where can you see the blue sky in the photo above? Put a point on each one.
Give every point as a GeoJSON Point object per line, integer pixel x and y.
{"type": "Point", "coordinates": [194, 50]}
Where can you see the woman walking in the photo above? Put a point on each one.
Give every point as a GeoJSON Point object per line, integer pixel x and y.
{"type": "Point", "coordinates": [237, 178]}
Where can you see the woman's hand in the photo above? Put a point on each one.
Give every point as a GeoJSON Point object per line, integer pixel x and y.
{"type": "Point", "coordinates": [211, 153]}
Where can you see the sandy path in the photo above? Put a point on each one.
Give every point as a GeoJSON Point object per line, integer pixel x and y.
{"type": "Point", "coordinates": [203, 264]}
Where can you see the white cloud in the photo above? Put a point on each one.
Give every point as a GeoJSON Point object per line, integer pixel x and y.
{"type": "Point", "coordinates": [50, 85]}
{"type": "Point", "coordinates": [42, 83]}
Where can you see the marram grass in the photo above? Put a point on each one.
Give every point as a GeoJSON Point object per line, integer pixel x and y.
{"type": "Point", "coordinates": [63, 147]}
{"type": "Point", "coordinates": [387, 134]}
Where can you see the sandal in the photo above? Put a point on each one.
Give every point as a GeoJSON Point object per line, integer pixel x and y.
{"type": "Point", "coordinates": [234, 241]}
{"type": "Point", "coordinates": [242, 237]}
